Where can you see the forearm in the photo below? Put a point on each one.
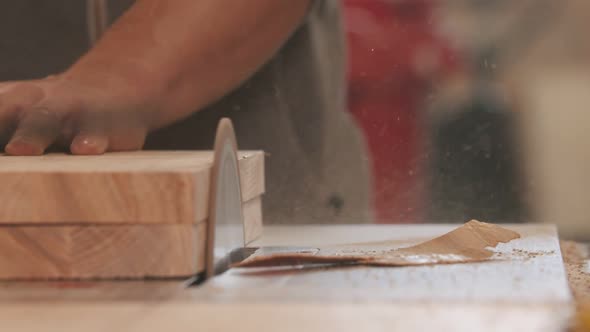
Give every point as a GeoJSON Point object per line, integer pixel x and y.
{"type": "Point", "coordinates": [189, 53]}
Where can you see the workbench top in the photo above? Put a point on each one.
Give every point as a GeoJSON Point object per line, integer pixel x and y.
{"type": "Point", "coordinates": [527, 294]}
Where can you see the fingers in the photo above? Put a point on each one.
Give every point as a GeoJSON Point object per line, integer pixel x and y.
{"type": "Point", "coordinates": [14, 98]}
{"type": "Point", "coordinates": [7, 124]}
{"type": "Point", "coordinates": [133, 139]}
{"type": "Point", "coordinates": [7, 85]}
{"type": "Point", "coordinates": [89, 144]}
{"type": "Point", "coordinates": [102, 132]}
{"type": "Point", "coordinates": [37, 129]}
{"type": "Point", "coordinates": [95, 144]}
{"type": "Point", "coordinates": [90, 136]}
{"type": "Point", "coordinates": [34, 116]}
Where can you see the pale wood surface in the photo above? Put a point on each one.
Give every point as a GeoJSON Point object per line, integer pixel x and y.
{"type": "Point", "coordinates": [134, 187]}
{"type": "Point", "coordinates": [576, 257]}
{"type": "Point", "coordinates": [106, 251]}
{"type": "Point", "coordinates": [110, 251]}
{"type": "Point", "coordinates": [525, 293]}
{"type": "Point", "coordinates": [252, 219]}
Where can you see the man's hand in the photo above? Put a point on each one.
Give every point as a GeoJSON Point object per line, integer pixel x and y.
{"type": "Point", "coordinates": [89, 119]}
{"type": "Point", "coordinates": [161, 61]}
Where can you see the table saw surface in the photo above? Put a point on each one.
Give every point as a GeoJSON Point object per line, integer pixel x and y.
{"type": "Point", "coordinates": [526, 291]}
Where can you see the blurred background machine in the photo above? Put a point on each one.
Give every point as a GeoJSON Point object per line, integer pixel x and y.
{"type": "Point", "coordinates": [474, 109]}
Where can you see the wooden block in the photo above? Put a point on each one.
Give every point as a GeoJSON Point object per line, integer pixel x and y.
{"type": "Point", "coordinates": [252, 219]}
{"type": "Point", "coordinates": [252, 179]}
{"type": "Point", "coordinates": [105, 251]}
{"type": "Point", "coordinates": [146, 187]}
{"type": "Point", "coordinates": [110, 251]}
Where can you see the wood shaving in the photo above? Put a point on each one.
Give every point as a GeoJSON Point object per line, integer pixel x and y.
{"type": "Point", "coordinates": [468, 243]}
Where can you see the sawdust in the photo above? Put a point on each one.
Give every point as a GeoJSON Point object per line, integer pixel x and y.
{"type": "Point", "coordinates": [468, 243]}
{"type": "Point", "coordinates": [526, 254]}
{"type": "Point", "coordinates": [575, 258]}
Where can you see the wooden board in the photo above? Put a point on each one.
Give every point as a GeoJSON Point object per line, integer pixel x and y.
{"type": "Point", "coordinates": [523, 293]}
{"type": "Point", "coordinates": [110, 251]}
{"type": "Point", "coordinates": [134, 187]}
{"type": "Point", "coordinates": [252, 219]}
{"type": "Point", "coordinates": [106, 251]}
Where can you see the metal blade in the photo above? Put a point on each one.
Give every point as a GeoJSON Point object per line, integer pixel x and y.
{"type": "Point", "coordinates": [226, 221]}
{"type": "Point", "coordinates": [240, 254]}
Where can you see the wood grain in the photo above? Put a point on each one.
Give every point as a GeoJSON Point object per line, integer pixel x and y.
{"type": "Point", "coordinates": [136, 187]}
{"type": "Point", "coordinates": [82, 252]}
{"type": "Point", "coordinates": [110, 251]}
{"type": "Point", "coordinates": [46, 252]}
{"type": "Point", "coordinates": [468, 243]}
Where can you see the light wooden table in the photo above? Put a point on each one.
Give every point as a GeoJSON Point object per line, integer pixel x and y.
{"type": "Point", "coordinates": [526, 293]}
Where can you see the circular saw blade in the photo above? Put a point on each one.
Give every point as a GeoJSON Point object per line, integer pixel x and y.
{"type": "Point", "coordinates": [226, 220]}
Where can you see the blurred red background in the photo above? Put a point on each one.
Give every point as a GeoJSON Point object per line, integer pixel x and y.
{"type": "Point", "coordinates": [395, 56]}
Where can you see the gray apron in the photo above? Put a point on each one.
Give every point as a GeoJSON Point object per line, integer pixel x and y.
{"type": "Point", "coordinates": [293, 108]}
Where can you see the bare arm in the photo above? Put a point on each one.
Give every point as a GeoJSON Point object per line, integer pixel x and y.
{"type": "Point", "coordinates": [161, 61]}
